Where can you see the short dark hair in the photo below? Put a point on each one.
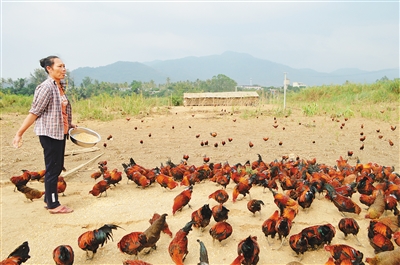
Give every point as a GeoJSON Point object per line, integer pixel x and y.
{"type": "Point", "coordinates": [48, 61]}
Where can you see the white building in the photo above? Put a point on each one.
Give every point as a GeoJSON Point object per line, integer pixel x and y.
{"type": "Point", "coordinates": [299, 84]}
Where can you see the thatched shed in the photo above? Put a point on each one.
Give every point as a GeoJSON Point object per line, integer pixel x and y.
{"type": "Point", "coordinates": [221, 99]}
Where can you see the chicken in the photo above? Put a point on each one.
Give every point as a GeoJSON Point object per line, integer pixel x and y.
{"type": "Point", "coordinates": [61, 185]}
{"type": "Point", "coordinates": [92, 240]}
{"type": "Point", "coordinates": [380, 243]}
{"type": "Point", "coordinates": [342, 203]}
{"type": "Point", "coordinates": [153, 232]}
{"type": "Point", "coordinates": [376, 227]}
{"type": "Point", "coordinates": [182, 199]}
{"type": "Point", "coordinates": [30, 193]}
{"type": "Point", "coordinates": [377, 208]}
{"type": "Point", "coordinates": [283, 201]}
{"type": "Point", "coordinates": [63, 255]}
{"type": "Point", "coordinates": [220, 213]}
{"type": "Point", "coordinates": [341, 252]}
{"type": "Point", "coordinates": [201, 217]}
{"type": "Point", "coordinates": [242, 187]}
{"type": "Point", "coordinates": [135, 262]}
{"type": "Point", "coordinates": [268, 227]}
{"type": "Point", "coordinates": [38, 175]}
{"type": "Point", "coordinates": [298, 243]}
{"type": "Point", "coordinates": [379, 236]}
{"type": "Point", "coordinates": [166, 181]}
{"type": "Point", "coordinates": [132, 243]}
{"type": "Point", "coordinates": [221, 231]}
{"type": "Point", "coordinates": [255, 206]}
{"type": "Point", "coordinates": [385, 258]}
{"type": "Point", "coordinates": [319, 234]}
{"type": "Point", "coordinates": [165, 229]}
{"type": "Point", "coordinates": [250, 249]}
{"type": "Point", "coordinates": [178, 247]}
{"type": "Point", "coordinates": [365, 185]}
{"type": "Point", "coordinates": [349, 226]}
{"type": "Point", "coordinates": [220, 196]}
{"type": "Point", "coordinates": [307, 196]}
{"type": "Point", "coordinates": [96, 175]}
{"type": "Point", "coordinates": [203, 254]}
{"type": "Point", "coordinates": [18, 256]}
{"type": "Point", "coordinates": [21, 180]}
{"type": "Point", "coordinates": [99, 188]}
{"type": "Point", "coordinates": [113, 177]}
{"type": "Point", "coordinates": [282, 227]}
{"type": "Point", "coordinates": [391, 203]}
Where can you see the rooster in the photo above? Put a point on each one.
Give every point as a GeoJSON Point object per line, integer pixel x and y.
{"type": "Point", "coordinates": [63, 255]}
{"type": "Point", "coordinates": [220, 213]}
{"type": "Point", "coordinates": [18, 256]}
{"type": "Point", "coordinates": [165, 229]}
{"type": "Point", "coordinates": [250, 249]}
{"type": "Point", "coordinates": [380, 236]}
{"type": "Point", "coordinates": [166, 182]}
{"type": "Point", "coordinates": [178, 247]}
{"type": "Point", "coordinates": [92, 240]}
{"type": "Point", "coordinates": [38, 175]}
{"type": "Point", "coordinates": [21, 180]}
{"type": "Point", "coordinates": [298, 243]}
{"type": "Point", "coordinates": [349, 226]}
{"type": "Point", "coordinates": [220, 196]}
{"type": "Point", "coordinates": [203, 254]}
{"type": "Point", "coordinates": [307, 196]}
{"type": "Point", "coordinates": [112, 177]}
{"type": "Point", "coordinates": [283, 226]}
{"type": "Point", "coordinates": [221, 231]}
{"type": "Point", "coordinates": [30, 193]}
{"type": "Point", "coordinates": [132, 243]}
{"type": "Point", "coordinates": [201, 217]}
{"type": "Point", "coordinates": [268, 227]}
{"type": "Point", "coordinates": [242, 187]}
{"type": "Point", "coordinates": [99, 188]}
{"type": "Point", "coordinates": [182, 199]}
{"type": "Point", "coordinates": [342, 252]}
{"type": "Point", "coordinates": [342, 203]}
{"type": "Point", "coordinates": [319, 234]}
{"type": "Point", "coordinates": [61, 185]}
{"type": "Point", "coordinates": [255, 206]}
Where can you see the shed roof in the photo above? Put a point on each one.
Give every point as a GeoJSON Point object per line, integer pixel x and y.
{"type": "Point", "coordinates": [244, 94]}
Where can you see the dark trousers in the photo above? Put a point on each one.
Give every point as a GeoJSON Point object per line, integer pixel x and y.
{"type": "Point", "coordinates": [53, 151]}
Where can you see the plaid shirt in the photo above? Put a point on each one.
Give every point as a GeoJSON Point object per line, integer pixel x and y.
{"type": "Point", "coordinates": [47, 106]}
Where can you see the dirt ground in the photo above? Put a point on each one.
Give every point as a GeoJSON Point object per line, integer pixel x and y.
{"type": "Point", "coordinates": [173, 135]}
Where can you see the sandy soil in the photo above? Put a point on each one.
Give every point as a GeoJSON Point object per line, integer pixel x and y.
{"type": "Point", "coordinates": [172, 136]}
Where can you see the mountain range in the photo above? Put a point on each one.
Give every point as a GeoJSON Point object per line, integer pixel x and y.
{"type": "Point", "coordinates": [241, 67]}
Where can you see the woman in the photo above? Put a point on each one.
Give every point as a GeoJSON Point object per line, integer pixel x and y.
{"type": "Point", "coordinates": [52, 112]}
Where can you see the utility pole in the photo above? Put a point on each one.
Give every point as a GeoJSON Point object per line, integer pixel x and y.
{"type": "Point", "coordinates": [286, 82]}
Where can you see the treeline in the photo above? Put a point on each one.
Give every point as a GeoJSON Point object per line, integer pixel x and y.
{"type": "Point", "coordinates": [90, 88]}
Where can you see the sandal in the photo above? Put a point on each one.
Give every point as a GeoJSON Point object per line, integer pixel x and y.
{"type": "Point", "coordinates": [61, 209]}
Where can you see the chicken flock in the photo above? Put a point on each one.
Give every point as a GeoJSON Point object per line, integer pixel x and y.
{"type": "Point", "coordinates": [293, 183]}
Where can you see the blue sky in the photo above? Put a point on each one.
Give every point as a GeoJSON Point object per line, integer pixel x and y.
{"type": "Point", "coordinates": [321, 35]}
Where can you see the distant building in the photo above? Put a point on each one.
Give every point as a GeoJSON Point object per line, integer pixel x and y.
{"type": "Point", "coordinates": [299, 84]}
{"type": "Point", "coordinates": [249, 87]}
{"type": "Point", "coordinates": [247, 98]}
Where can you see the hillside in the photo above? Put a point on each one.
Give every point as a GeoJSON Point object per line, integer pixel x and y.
{"type": "Point", "coordinates": [241, 67]}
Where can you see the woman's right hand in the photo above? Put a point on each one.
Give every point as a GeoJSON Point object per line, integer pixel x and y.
{"type": "Point", "coordinates": [17, 142]}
